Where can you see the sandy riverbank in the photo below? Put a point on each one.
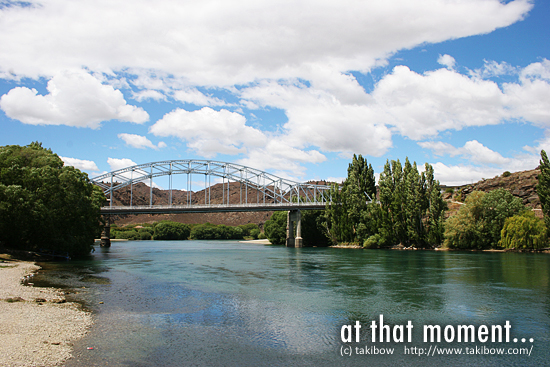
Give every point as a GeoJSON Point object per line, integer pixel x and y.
{"type": "Point", "coordinates": [37, 326]}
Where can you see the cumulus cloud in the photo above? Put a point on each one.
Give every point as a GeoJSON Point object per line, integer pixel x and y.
{"type": "Point", "coordinates": [81, 164]}
{"type": "Point", "coordinates": [75, 98]}
{"type": "Point", "coordinates": [119, 163]}
{"type": "Point", "coordinates": [227, 43]}
{"type": "Point", "coordinates": [482, 162]}
{"type": "Point", "coordinates": [447, 60]}
{"type": "Point", "coordinates": [473, 150]}
{"type": "Point", "coordinates": [210, 132]}
{"type": "Point", "coordinates": [140, 142]}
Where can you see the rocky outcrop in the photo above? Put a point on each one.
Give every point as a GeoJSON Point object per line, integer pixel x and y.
{"type": "Point", "coordinates": [521, 184]}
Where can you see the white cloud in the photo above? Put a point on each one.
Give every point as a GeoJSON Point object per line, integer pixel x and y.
{"type": "Point", "coordinates": [318, 118]}
{"type": "Point", "coordinates": [420, 106]}
{"type": "Point", "coordinates": [473, 150]}
{"type": "Point", "coordinates": [226, 43]}
{"type": "Point", "coordinates": [75, 98]}
{"type": "Point", "coordinates": [210, 132]}
{"type": "Point", "coordinates": [120, 163]}
{"type": "Point", "coordinates": [194, 96]}
{"type": "Point", "coordinates": [446, 60]}
{"type": "Point", "coordinates": [148, 94]}
{"type": "Point", "coordinates": [140, 142]}
{"type": "Point", "coordinates": [81, 164]}
{"type": "Point", "coordinates": [494, 69]}
{"type": "Point", "coordinates": [462, 174]}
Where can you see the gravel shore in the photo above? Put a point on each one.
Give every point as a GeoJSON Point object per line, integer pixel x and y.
{"type": "Point", "coordinates": [37, 326]}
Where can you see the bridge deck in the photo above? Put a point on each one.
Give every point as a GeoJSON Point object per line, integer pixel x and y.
{"type": "Point", "coordinates": [222, 208]}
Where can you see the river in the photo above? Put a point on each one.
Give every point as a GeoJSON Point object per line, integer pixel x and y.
{"type": "Point", "coordinates": [226, 303]}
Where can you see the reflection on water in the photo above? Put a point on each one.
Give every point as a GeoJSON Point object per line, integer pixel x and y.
{"type": "Point", "coordinates": [224, 303]}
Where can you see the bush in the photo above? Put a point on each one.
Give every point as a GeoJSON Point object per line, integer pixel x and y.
{"type": "Point", "coordinates": [145, 235]}
{"type": "Point", "coordinates": [372, 242]}
{"type": "Point", "coordinates": [479, 222]}
{"type": "Point", "coordinates": [171, 231]}
{"type": "Point", "coordinates": [524, 231]}
{"type": "Point", "coordinates": [209, 231]}
{"type": "Point", "coordinates": [255, 233]}
{"type": "Point", "coordinates": [449, 190]}
{"type": "Point", "coordinates": [262, 236]}
{"type": "Point", "coordinates": [128, 235]}
{"type": "Point", "coordinates": [506, 174]}
{"type": "Point", "coordinates": [275, 228]}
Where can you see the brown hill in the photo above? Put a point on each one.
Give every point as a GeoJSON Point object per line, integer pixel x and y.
{"type": "Point", "coordinates": [521, 184]}
{"type": "Point", "coordinates": [140, 194]}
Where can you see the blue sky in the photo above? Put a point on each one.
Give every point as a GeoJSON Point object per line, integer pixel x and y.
{"type": "Point", "coordinates": [291, 87]}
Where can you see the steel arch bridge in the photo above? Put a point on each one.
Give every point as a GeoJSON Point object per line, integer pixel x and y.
{"type": "Point", "coordinates": [271, 192]}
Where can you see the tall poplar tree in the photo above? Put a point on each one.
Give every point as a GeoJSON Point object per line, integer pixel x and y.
{"type": "Point", "coordinates": [543, 187]}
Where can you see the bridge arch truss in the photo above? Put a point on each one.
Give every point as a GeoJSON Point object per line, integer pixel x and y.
{"type": "Point", "coordinates": [269, 189]}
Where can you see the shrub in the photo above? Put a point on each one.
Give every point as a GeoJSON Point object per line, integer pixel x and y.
{"type": "Point", "coordinates": [372, 242]}
{"type": "Point", "coordinates": [506, 174]}
{"type": "Point", "coordinates": [449, 190]}
{"type": "Point", "coordinates": [128, 235]}
{"type": "Point", "coordinates": [479, 222]}
{"type": "Point", "coordinates": [275, 228]}
{"type": "Point", "coordinates": [171, 231]}
{"type": "Point", "coordinates": [261, 236]}
{"type": "Point", "coordinates": [524, 231]}
{"type": "Point", "coordinates": [145, 235]}
{"type": "Point", "coordinates": [255, 233]}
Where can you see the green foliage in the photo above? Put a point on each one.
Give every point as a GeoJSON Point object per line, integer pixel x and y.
{"type": "Point", "coordinates": [313, 233]}
{"type": "Point", "coordinates": [128, 235]}
{"type": "Point", "coordinates": [255, 233]}
{"type": "Point", "coordinates": [543, 187]}
{"type": "Point", "coordinates": [275, 228]}
{"type": "Point", "coordinates": [45, 205]}
{"type": "Point", "coordinates": [373, 241]}
{"type": "Point", "coordinates": [464, 229]}
{"type": "Point", "coordinates": [497, 206]}
{"type": "Point", "coordinates": [166, 230]}
{"type": "Point", "coordinates": [247, 230]}
{"type": "Point", "coordinates": [145, 235]}
{"type": "Point", "coordinates": [449, 190]}
{"type": "Point", "coordinates": [209, 231]}
{"type": "Point", "coordinates": [524, 231]}
{"type": "Point", "coordinates": [506, 174]}
{"type": "Point", "coordinates": [347, 218]}
{"type": "Point", "coordinates": [411, 206]}
{"type": "Point", "coordinates": [262, 236]}
{"type": "Point", "coordinates": [479, 222]}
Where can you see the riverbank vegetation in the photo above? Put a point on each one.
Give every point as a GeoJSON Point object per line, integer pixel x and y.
{"type": "Point", "coordinates": [168, 230]}
{"type": "Point", "coordinates": [44, 205]}
{"type": "Point", "coordinates": [408, 210]}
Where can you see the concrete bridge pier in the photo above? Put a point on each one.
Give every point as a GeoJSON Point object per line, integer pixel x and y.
{"type": "Point", "coordinates": [291, 241]}
{"type": "Point", "coordinates": [106, 234]}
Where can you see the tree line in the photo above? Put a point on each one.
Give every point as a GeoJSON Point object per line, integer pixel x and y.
{"type": "Point", "coordinates": [408, 210]}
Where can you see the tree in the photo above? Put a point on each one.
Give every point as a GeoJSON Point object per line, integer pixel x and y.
{"type": "Point", "coordinates": [464, 229]}
{"type": "Point", "coordinates": [275, 228]}
{"type": "Point", "coordinates": [479, 222]}
{"type": "Point", "coordinates": [524, 231]}
{"type": "Point", "coordinates": [498, 205]}
{"type": "Point", "coordinates": [171, 231]}
{"type": "Point", "coordinates": [543, 187]}
{"type": "Point", "coordinates": [45, 205]}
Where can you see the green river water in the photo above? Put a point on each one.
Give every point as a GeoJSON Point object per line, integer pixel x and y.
{"type": "Point", "coordinates": [225, 303]}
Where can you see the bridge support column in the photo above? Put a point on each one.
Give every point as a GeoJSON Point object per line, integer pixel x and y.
{"type": "Point", "coordinates": [291, 241]}
{"type": "Point", "coordinates": [106, 234]}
